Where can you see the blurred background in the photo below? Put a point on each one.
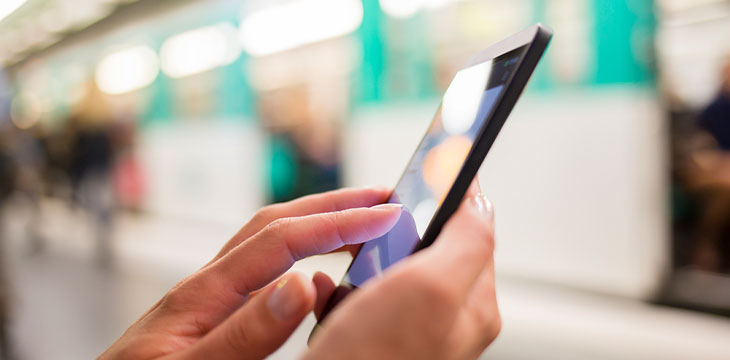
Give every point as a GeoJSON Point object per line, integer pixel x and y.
{"type": "Point", "coordinates": [137, 136]}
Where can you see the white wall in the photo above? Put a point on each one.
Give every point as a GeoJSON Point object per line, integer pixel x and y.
{"type": "Point", "coordinates": [208, 170]}
{"type": "Point", "coordinates": [579, 181]}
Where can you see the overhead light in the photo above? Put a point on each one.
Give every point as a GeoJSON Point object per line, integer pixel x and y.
{"type": "Point", "coordinates": [400, 8]}
{"type": "Point", "coordinates": [408, 8]}
{"type": "Point", "coordinates": [199, 50]}
{"type": "Point", "coordinates": [435, 4]}
{"type": "Point", "coordinates": [126, 70]}
{"type": "Point", "coordinates": [296, 23]}
{"type": "Point", "coordinates": [461, 101]}
{"type": "Point", "coordinates": [7, 7]}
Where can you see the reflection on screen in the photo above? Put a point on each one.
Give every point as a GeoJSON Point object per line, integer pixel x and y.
{"type": "Point", "coordinates": [432, 170]}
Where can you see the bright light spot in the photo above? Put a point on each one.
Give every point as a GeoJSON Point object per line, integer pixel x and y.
{"type": "Point", "coordinates": [442, 164]}
{"type": "Point", "coordinates": [25, 110]}
{"type": "Point", "coordinates": [400, 8]}
{"type": "Point", "coordinates": [461, 100]}
{"type": "Point", "coordinates": [296, 23]}
{"type": "Point", "coordinates": [435, 4]}
{"type": "Point", "coordinates": [7, 7]}
{"type": "Point", "coordinates": [199, 50]}
{"type": "Point", "coordinates": [423, 213]}
{"type": "Point", "coordinates": [127, 70]}
{"type": "Point", "coordinates": [407, 8]}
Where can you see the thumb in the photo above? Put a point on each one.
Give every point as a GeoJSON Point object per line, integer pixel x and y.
{"type": "Point", "coordinates": [262, 325]}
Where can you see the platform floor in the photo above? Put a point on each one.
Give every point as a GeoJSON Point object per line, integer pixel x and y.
{"type": "Point", "coordinates": [65, 307]}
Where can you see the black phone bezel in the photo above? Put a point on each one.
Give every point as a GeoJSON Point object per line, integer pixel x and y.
{"type": "Point", "coordinates": [536, 39]}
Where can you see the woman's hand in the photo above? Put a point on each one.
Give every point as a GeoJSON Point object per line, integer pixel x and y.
{"type": "Point", "coordinates": [234, 307]}
{"type": "Point", "coordinates": [437, 304]}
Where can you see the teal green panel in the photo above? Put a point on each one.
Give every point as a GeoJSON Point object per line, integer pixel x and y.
{"type": "Point", "coordinates": [624, 30]}
{"type": "Point", "coordinates": [159, 108]}
{"type": "Point", "coordinates": [420, 61]}
{"type": "Point", "coordinates": [410, 69]}
{"type": "Point", "coordinates": [236, 94]}
{"type": "Point", "coordinates": [542, 78]}
{"type": "Point", "coordinates": [370, 80]}
{"type": "Point", "coordinates": [282, 168]}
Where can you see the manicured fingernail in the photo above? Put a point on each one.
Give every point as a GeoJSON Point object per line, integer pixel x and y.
{"type": "Point", "coordinates": [387, 207]}
{"type": "Point", "coordinates": [377, 187]}
{"type": "Point", "coordinates": [284, 300]}
{"type": "Point", "coordinates": [484, 206]}
{"type": "Point", "coordinates": [382, 188]}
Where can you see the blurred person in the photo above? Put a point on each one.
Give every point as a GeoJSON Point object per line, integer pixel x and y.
{"type": "Point", "coordinates": [128, 176]}
{"type": "Point", "coordinates": [7, 184]}
{"type": "Point", "coordinates": [707, 174]}
{"type": "Point", "coordinates": [29, 158]}
{"type": "Point", "coordinates": [304, 142]}
{"type": "Point", "coordinates": [90, 165]}
{"type": "Point", "coordinates": [715, 118]}
{"type": "Point", "coordinates": [21, 167]}
{"type": "Point", "coordinates": [56, 144]}
{"type": "Point", "coordinates": [437, 304]}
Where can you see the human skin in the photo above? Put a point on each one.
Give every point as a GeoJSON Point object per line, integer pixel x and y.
{"type": "Point", "coordinates": [439, 303]}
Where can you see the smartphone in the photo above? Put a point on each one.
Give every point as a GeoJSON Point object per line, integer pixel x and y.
{"type": "Point", "coordinates": [472, 112]}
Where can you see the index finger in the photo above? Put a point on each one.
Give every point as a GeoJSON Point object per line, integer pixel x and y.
{"type": "Point", "coordinates": [330, 201]}
{"type": "Point", "coordinates": [274, 249]}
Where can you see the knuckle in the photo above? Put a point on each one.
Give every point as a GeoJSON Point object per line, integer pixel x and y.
{"type": "Point", "coordinates": [177, 297]}
{"type": "Point", "coordinates": [471, 221]}
{"type": "Point", "coordinates": [483, 250]}
{"type": "Point", "coordinates": [330, 227]}
{"type": "Point", "coordinates": [496, 326]}
{"type": "Point", "coordinates": [490, 330]}
{"type": "Point", "coordinates": [330, 219]}
{"type": "Point", "coordinates": [237, 337]}
{"type": "Point", "coordinates": [489, 323]}
{"type": "Point", "coordinates": [335, 220]}
{"type": "Point", "coordinates": [483, 233]}
{"type": "Point", "coordinates": [275, 234]}
{"type": "Point", "coordinates": [480, 226]}
{"type": "Point", "coordinates": [133, 352]}
{"type": "Point", "coordinates": [266, 214]}
{"type": "Point", "coordinates": [278, 225]}
{"type": "Point", "coordinates": [183, 296]}
{"type": "Point", "coordinates": [171, 301]}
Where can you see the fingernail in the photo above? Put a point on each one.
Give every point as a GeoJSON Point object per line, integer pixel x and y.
{"type": "Point", "coordinates": [387, 207]}
{"type": "Point", "coordinates": [377, 187]}
{"type": "Point", "coordinates": [283, 301]}
{"type": "Point", "coordinates": [484, 206]}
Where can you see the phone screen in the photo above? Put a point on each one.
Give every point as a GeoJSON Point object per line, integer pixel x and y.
{"type": "Point", "coordinates": [464, 111]}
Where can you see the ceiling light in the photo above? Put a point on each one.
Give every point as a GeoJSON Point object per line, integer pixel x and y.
{"type": "Point", "coordinates": [7, 7]}
{"type": "Point", "coordinates": [400, 8]}
{"type": "Point", "coordinates": [199, 50]}
{"type": "Point", "coordinates": [126, 70]}
{"type": "Point", "coordinates": [408, 8]}
{"type": "Point", "coordinates": [295, 23]}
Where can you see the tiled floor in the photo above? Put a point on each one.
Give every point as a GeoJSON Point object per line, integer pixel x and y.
{"type": "Point", "coordinates": [65, 307]}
